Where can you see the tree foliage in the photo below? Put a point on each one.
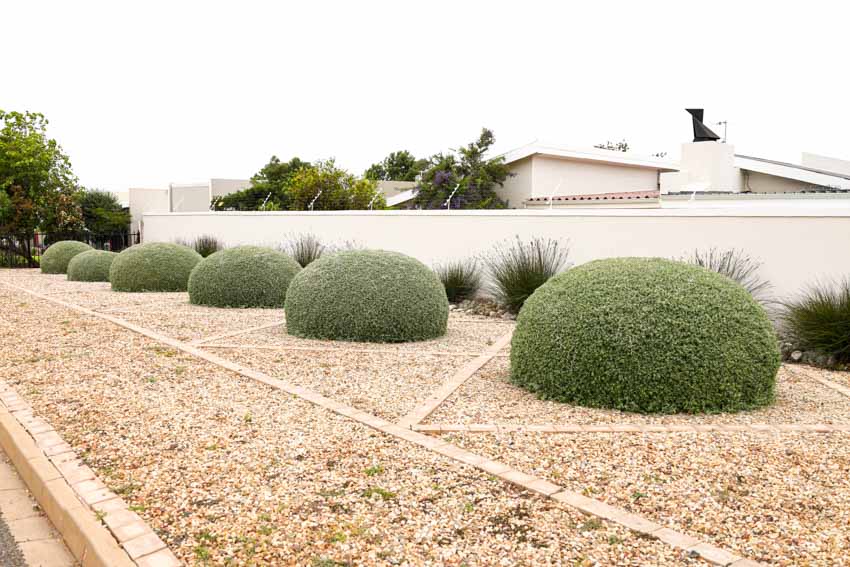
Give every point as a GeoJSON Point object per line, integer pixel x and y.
{"type": "Point", "coordinates": [329, 188]}
{"type": "Point", "coordinates": [268, 190]}
{"type": "Point", "coordinates": [38, 189]}
{"type": "Point", "coordinates": [398, 166]}
{"type": "Point", "coordinates": [103, 215]}
{"type": "Point", "coordinates": [466, 173]}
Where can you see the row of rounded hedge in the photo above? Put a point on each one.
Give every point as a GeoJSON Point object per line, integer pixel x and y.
{"type": "Point", "coordinates": [634, 334]}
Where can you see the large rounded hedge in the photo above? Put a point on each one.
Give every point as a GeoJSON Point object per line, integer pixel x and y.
{"type": "Point", "coordinates": [646, 335]}
{"type": "Point", "coordinates": [245, 276]}
{"type": "Point", "coordinates": [55, 259]}
{"type": "Point", "coordinates": [91, 266]}
{"type": "Point", "coordinates": [156, 266]}
{"type": "Point", "coordinates": [367, 295]}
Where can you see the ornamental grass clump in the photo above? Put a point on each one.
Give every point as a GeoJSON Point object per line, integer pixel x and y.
{"type": "Point", "coordinates": [819, 320]}
{"type": "Point", "coordinates": [736, 265]}
{"type": "Point", "coordinates": [244, 276]}
{"type": "Point", "coordinates": [57, 256]}
{"type": "Point", "coordinates": [460, 278]}
{"type": "Point", "coordinates": [91, 266]}
{"type": "Point", "coordinates": [517, 268]}
{"type": "Point", "coordinates": [205, 245]}
{"type": "Point", "coordinates": [646, 335]}
{"type": "Point", "coordinates": [304, 248]}
{"type": "Point", "coordinates": [367, 295]}
{"type": "Point", "coordinates": [155, 266]}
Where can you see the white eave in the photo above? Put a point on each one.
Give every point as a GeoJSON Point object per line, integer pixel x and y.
{"type": "Point", "coordinates": [597, 155]}
{"type": "Point", "coordinates": [402, 197]}
{"type": "Point", "coordinates": [795, 172]}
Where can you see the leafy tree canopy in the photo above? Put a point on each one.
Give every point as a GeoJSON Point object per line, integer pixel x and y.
{"type": "Point", "coordinates": [38, 189]}
{"type": "Point", "coordinates": [329, 188]}
{"type": "Point", "coordinates": [268, 190]}
{"type": "Point", "coordinates": [466, 174]}
{"type": "Point", "coordinates": [103, 215]}
{"type": "Point", "coordinates": [398, 166]}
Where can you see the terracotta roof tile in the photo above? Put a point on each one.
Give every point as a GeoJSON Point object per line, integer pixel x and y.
{"type": "Point", "coordinates": [621, 196]}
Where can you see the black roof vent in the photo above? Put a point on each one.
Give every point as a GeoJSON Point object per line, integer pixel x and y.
{"type": "Point", "coordinates": [702, 133]}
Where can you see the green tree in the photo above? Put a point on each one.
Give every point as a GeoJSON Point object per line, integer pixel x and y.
{"type": "Point", "coordinates": [268, 190]}
{"type": "Point", "coordinates": [103, 215]}
{"type": "Point", "coordinates": [465, 176]}
{"type": "Point", "coordinates": [330, 188]}
{"type": "Point", "coordinates": [398, 166]}
{"type": "Point", "coordinates": [38, 187]}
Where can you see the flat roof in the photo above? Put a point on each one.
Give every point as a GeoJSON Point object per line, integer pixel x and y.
{"type": "Point", "coordinates": [597, 155]}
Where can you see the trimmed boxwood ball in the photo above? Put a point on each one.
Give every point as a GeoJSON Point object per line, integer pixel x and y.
{"type": "Point", "coordinates": [646, 335]}
{"type": "Point", "coordinates": [245, 276]}
{"type": "Point", "coordinates": [55, 259]}
{"type": "Point", "coordinates": [91, 266]}
{"type": "Point", "coordinates": [155, 266]}
{"type": "Point", "coordinates": [367, 295]}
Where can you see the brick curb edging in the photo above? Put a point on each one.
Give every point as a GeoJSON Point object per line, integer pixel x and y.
{"type": "Point", "coordinates": [71, 495]}
{"type": "Point", "coordinates": [631, 428]}
{"type": "Point", "coordinates": [430, 404]}
{"type": "Point", "coordinates": [245, 331]}
{"type": "Point", "coordinates": [584, 504]}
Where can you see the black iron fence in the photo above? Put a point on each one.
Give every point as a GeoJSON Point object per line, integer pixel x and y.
{"type": "Point", "coordinates": [25, 251]}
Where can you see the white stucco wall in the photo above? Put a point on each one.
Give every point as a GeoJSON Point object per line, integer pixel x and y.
{"type": "Point", "coordinates": [583, 178]}
{"type": "Point", "coordinates": [221, 187]}
{"type": "Point", "coordinates": [517, 187]}
{"type": "Point", "coordinates": [795, 246]}
{"type": "Point", "coordinates": [764, 183]}
{"type": "Point", "coordinates": [143, 200]}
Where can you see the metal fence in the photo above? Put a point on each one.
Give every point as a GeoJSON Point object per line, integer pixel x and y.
{"type": "Point", "coordinates": [25, 251]}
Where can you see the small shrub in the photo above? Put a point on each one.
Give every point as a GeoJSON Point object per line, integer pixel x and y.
{"type": "Point", "coordinates": [91, 266]}
{"type": "Point", "coordinates": [460, 278]}
{"type": "Point", "coordinates": [736, 265]}
{"type": "Point", "coordinates": [244, 276]}
{"type": "Point", "coordinates": [518, 268]}
{"type": "Point", "coordinates": [304, 248]}
{"type": "Point", "coordinates": [819, 320]}
{"type": "Point", "coordinates": [366, 295]}
{"type": "Point", "coordinates": [646, 335]}
{"type": "Point", "coordinates": [155, 266]}
{"type": "Point", "coordinates": [205, 245]}
{"type": "Point", "coordinates": [56, 258]}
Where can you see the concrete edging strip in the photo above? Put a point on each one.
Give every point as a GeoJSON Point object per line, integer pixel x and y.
{"type": "Point", "coordinates": [693, 546]}
{"type": "Point", "coordinates": [427, 407]}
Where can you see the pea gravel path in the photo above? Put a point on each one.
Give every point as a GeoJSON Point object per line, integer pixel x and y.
{"type": "Point", "coordinates": [228, 470]}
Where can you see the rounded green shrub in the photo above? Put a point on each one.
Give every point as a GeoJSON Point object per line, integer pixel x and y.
{"type": "Point", "coordinates": [245, 276]}
{"type": "Point", "coordinates": [155, 266]}
{"type": "Point", "coordinates": [55, 259]}
{"type": "Point", "coordinates": [646, 335]}
{"type": "Point", "coordinates": [367, 295]}
{"type": "Point", "coordinates": [91, 266]}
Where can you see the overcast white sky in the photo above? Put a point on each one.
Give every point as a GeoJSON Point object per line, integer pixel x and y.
{"type": "Point", "coordinates": [143, 93]}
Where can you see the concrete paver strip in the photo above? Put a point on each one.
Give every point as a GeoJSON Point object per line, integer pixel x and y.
{"type": "Point", "coordinates": [628, 428]}
{"type": "Point", "coordinates": [708, 552]}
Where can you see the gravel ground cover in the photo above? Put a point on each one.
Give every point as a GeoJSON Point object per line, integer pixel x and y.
{"type": "Point", "coordinates": [488, 397]}
{"type": "Point", "coordinates": [229, 471]}
{"type": "Point", "coordinates": [462, 336]}
{"type": "Point", "coordinates": [842, 378]}
{"type": "Point", "coordinates": [188, 322]}
{"type": "Point", "coordinates": [386, 385]}
{"type": "Point", "coordinates": [780, 499]}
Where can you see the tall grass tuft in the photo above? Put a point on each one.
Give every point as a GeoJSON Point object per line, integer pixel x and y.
{"type": "Point", "coordinates": [461, 278]}
{"type": "Point", "coordinates": [819, 319]}
{"type": "Point", "coordinates": [518, 268]}
{"type": "Point", "coordinates": [736, 265]}
{"type": "Point", "coordinates": [204, 245]}
{"type": "Point", "coordinates": [304, 248]}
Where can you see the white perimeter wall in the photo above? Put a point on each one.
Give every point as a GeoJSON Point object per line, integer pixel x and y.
{"type": "Point", "coordinates": [795, 247]}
